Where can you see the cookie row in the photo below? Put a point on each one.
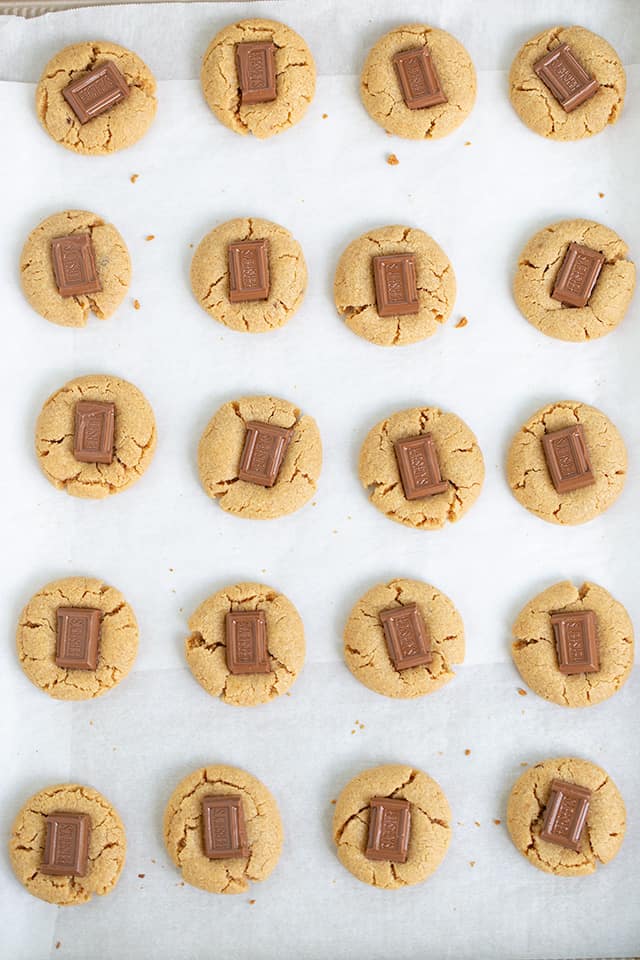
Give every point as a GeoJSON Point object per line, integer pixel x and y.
{"type": "Point", "coordinates": [258, 76]}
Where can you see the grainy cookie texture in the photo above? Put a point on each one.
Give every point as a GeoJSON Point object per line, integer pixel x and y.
{"type": "Point", "coordinates": [119, 127]}
{"type": "Point", "coordinates": [287, 276]}
{"type": "Point", "coordinates": [354, 287]}
{"type": "Point", "coordinates": [37, 633]}
{"type": "Point", "coordinates": [604, 828]}
{"type": "Point", "coordinates": [38, 279]}
{"type": "Point", "coordinates": [534, 648]}
{"type": "Point", "coordinates": [430, 825]}
{"type": "Point", "coordinates": [183, 830]}
{"type": "Point", "coordinates": [221, 447]}
{"type": "Point", "coordinates": [528, 474]}
{"type": "Point", "coordinates": [107, 845]}
{"type": "Point", "coordinates": [382, 95]}
{"type": "Point", "coordinates": [539, 109]}
{"type": "Point", "coordinates": [459, 456]}
{"type": "Point", "coordinates": [538, 267]}
{"type": "Point", "coordinates": [205, 647]}
{"type": "Point", "coordinates": [365, 647]}
{"type": "Point", "coordinates": [295, 78]}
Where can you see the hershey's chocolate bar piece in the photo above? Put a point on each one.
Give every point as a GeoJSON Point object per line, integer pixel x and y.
{"type": "Point", "coordinates": [565, 814]}
{"type": "Point", "coordinates": [396, 288]}
{"type": "Point", "coordinates": [567, 79]}
{"type": "Point", "coordinates": [74, 265]}
{"type": "Point", "coordinates": [578, 275]}
{"type": "Point", "coordinates": [78, 637]}
{"type": "Point", "coordinates": [576, 636]}
{"type": "Point", "coordinates": [568, 459]}
{"type": "Point", "coordinates": [255, 63]}
{"type": "Point", "coordinates": [419, 80]}
{"type": "Point", "coordinates": [247, 642]}
{"type": "Point", "coordinates": [223, 828]}
{"type": "Point", "coordinates": [66, 846]}
{"type": "Point", "coordinates": [389, 829]}
{"type": "Point", "coordinates": [94, 431]}
{"type": "Point", "coordinates": [248, 271]}
{"type": "Point", "coordinates": [96, 92]}
{"type": "Point", "coordinates": [419, 467]}
{"type": "Point", "coordinates": [264, 448]}
{"type": "Point", "coordinates": [406, 636]}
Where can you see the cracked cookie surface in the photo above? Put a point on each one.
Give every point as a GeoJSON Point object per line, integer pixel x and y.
{"type": "Point", "coordinates": [287, 276]}
{"type": "Point", "coordinates": [183, 830]}
{"type": "Point", "coordinates": [114, 130]}
{"type": "Point", "coordinates": [538, 108]}
{"type": "Point", "coordinates": [134, 438]}
{"type": "Point", "coordinates": [221, 447]}
{"type": "Point", "coordinates": [534, 647]}
{"type": "Point", "coordinates": [528, 474]}
{"type": "Point", "coordinates": [38, 279]}
{"type": "Point", "coordinates": [295, 78]}
{"type": "Point", "coordinates": [355, 293]}
{"type": "Point", "coordinates": [205, 647]}
{"type": "Point", "coordinates": [603, 831]}
{"type": "Point", "coordinates": [107, 845]}
{"type": "Point", "coordinates": [538, 267]}
{"type": "Point", "coordinates": [381, 93]}
{"type": "Point", "coordinates": [459, 456]}
{"type": "Point", "coordinates": [37, 633]}
{"type": "Point", "coordinates": [365, 647]}
{"type": "Point", "coordinates": [430, 825]}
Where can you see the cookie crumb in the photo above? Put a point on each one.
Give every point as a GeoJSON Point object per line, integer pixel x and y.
{"type": "Point", "coordinates": [91, 723]}
{"type": "Point", "coordinates": [58, 945]}
{"type": "Point", "coordinates": [462, 322]}
{"type": "Point", "coordinates": [522, 692]}
{"type": "Point", "coordinates": [467, 752]}
{"type": "Point", "coordinates": [136, 304]}
{"type": "Point", "coordinates": [467, 143]}
{"type": "Point", "coordinates": [601, 195]}
{"type": "Point", "coordinates": [352, 732]}
{"type": "Point", "coordinates": [141, 876]}
{"type": "Point", "coordinates": [472, 863]}
{"type": "Point", "coordinates": [152, 860]}
{"type": "Point", "coordinates": [334, 802]}
{"type": "Point", "coordinates": [392, 160]}
{"type": "Point", "coordinates": [324, 116]}
{"type": "Point", "coordinates": [150, 236]}
{"type": "Point", "coordinates": [497, 822]}
{"type": "Point", "coordinates": [134, 177]}
{"type": "Point", "coordinates": [524, 763]}
{"type": "Point", "coordinates": [252, 902]}
{"type": "Point", "coordinates": [477, 823]}
{"type": "Point", "coordinates": [191, 245]}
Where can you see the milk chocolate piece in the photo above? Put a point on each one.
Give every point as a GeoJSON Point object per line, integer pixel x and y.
{"type": "Point", "coordinates": [567, 79]}
{"type": "Point", "coordinates": [565, 814]}
{"type": "Point", "coordinates": [578, 275]}
{"type": "Point", "coordinates": [419, 467]}
{"type": "Point", "coordinates": [406, 636]}
{"type": "Point", "coordinates": [264, 448]}
{"type": "Point", "coordinates": [66, 846]}
{"type": "Point", "coordinates": [255, 63]}
{"type": "Point", "coordinates": [576, 635]}
{"type": "Point", "coordinates": [568, 459]}
{"type": "Point", "coordinates": [94, 431]}
{"type": "Point", "coordinates": [224, 830]}
{"type": "Point", "coordinates": [96, 92]}
{"type": "Point", "coordinates": [74, 265]}
{"type": "Point", "coordinates": [396, 288]}
{"type": "Point", "coordinates": [389, 828]}
{"type": "Point", "coordinates": [247, 642]}
{"type": "Point", "coordinates": [418, 78]}
{"type": "Point", "coordinates": [78, 637]}
{"type": "Point", "coordinates": [248, 271]}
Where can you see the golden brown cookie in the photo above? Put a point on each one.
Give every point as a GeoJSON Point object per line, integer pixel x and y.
{"type": "Point", "coordinates": [107, 845]}
{"type": "Point", "coordinates": [603, 831]}
{"type": "Point", "coordinates": [124, 124]}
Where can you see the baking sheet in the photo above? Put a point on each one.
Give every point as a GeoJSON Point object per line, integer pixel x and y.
{"type": "Point", "coordinates": [167, 546]}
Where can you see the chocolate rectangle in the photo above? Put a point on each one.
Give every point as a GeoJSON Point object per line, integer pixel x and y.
{"type": "Point", "coordinates": [565, 814]}
{"type": "Point", "coordinates": [418, 77]}
{"type": "Point", "coordinates": [96, 92]}
{"type": "Point", "coordinates": [577, 275]}
{"type": "Point", "coordinates": [255, 64]}
{"type": "Point", "coordinates": [389, 829]}
{"type": "Point", "coordinates": [568, 459]}
{"type": "Point", "coordinates": [248, 271]}
{"type": "Point", "coordinates": [565, 77]}
{"type": "Point", "coordinates": [66, 846]}
{"type": "Point", "coordinates": [246, 632]}
{"type": "Point", "coordinates": [576, 636]}
{"type": "Point", "coordinates": [264, 448]}
{"type": "Point", "coordinates": [396, 286]}
{"type": "Point", "coordinates": [419, 467]}
{"type": "Point", "coordinates": [94, 431]}
{"type": "Point", "coordinates": [74, 265]}
{"type": "Point", "coordinates": [78, 637]}
{"type": "Point", "coordinates": [223, 828]}
{"type": "Point", "coordinates": [406, 635]}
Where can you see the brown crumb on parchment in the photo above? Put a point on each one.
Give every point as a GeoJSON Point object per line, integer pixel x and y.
{"type": "Point", "coordinates": [334, 802]}
{"type": "Point", "coordinates": [392, 160]}
{"type": "Point", "coordinates": [324, 116]}
{"type": "Point", "coordinates": [136, 304]}
{"type": "Point", "coordinates": [462, 322]}
{"type": "Point", "coordinates": [467, 752]}
{"type": "Point", "coordinates": [522, 692]}
{"type": "Point", "coordinates": [524, 763]}
{"type": "Point", "coordinates": [601, 195]}
{"type": "Point", "coordinates": [477, 823]}
{"type": "Point", "coordinates": [150, 236]}
{"type": "Point", "coordinates": [497, 822]}
{"type": "Point", "coordinates": [252, 902]}
{"type": "Point", "coordinates": [467, 143]}
{"type": "Point", "coordinates": [472, 863]}
{"type": "Point", "coordinates": [58, 945]}
{"type": "Point", "coordinates": [134, 177]}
